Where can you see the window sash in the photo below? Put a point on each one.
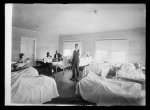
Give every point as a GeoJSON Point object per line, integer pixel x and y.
{"type": "Point", "coordinates": [111, 50]}
{"type": "Point", "coordinates": [69, 47]}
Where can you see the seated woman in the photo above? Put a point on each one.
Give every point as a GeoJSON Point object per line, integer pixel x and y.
{"type": "Point", "coordinates": [30, 87]}
{"type": "Point", "coordinates": [25, 64]}
{"type": "Point", "coordinates": [21, 63]}
{"type": "Point", "coordinates": [21, 58]}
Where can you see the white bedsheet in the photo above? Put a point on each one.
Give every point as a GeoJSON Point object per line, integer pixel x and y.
{"type": "Point", "coordinates": [27, 87]}
{"type": "Point", "coordinates": [101, 69]}
{"type": "Point", "coordinates": [96, 89]}
{"type": "Point", "coordinates": [59, 64]}
{"type": "Point", "coordinates": [135, 75]}
{"type": "Point", "coordinates": [85, 61]}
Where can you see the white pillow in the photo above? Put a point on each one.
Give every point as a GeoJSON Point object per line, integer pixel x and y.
{"type": "Point", "coordinates": [104, 72]}
{"type": "Point", "coordinates": [95, 69]}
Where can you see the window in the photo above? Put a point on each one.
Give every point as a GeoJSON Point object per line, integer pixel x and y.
{"type": "Point", "coordinates": [117, 57]}
{"type": "Point", "coordinates": [101, 55]}
{"type": "Point", "coordinates": [67, 52]}
{"type": "Point", "coordinates": [102, 50]}
{"type": "Point", "coordinates": [69, 46]}
{"type": "Point", "coordinates": [111, 50]}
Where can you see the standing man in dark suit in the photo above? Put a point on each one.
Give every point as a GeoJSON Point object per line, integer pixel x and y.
{"type": "Point", "coordinates": [56, 56]}
{"type": "Point", "coordinates": [75, 63]}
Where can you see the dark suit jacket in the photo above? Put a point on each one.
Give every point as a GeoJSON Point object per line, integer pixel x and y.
{"type": "Point", "coordinates": [59, 56]}
{"type": "Point", "coordinates": [75, 59]}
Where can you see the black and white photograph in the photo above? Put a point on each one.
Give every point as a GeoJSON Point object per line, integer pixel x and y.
{"type": "Point", "coordinates": [83, 54]}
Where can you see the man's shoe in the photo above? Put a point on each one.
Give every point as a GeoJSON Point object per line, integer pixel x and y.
{"type": "Point", "coordinates": [71, 78]}
{"type": "Point", "coordinates": [77, 80]}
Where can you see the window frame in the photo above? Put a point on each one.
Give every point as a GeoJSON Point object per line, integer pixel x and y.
{"type": "Point", "coordinates": [78, 40]}
{"type": "Point", "coordinates": [109, 50]}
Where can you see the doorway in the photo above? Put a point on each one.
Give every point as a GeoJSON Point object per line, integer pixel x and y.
{"type": "Point", "coordinates": [28, 48]}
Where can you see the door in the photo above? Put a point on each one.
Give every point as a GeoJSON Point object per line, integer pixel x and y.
{"type": "Point", "coordinates": [28, 48]}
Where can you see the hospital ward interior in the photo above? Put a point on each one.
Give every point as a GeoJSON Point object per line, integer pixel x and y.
{"type": "Point", "coordinates": [78, 54]}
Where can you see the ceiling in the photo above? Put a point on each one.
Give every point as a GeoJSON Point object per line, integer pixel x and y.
{"type": "Point", "coordinates": [67, 19]}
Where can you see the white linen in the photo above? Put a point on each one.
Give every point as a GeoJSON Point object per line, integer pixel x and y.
{"type": "Point", "coordinates": [129, 71]}
{"type": "Point", "coordinates": [101, 69]}
{"type": "Point", "coordinates": [135, 75]}
{"type": "Point", "coordinates": [27, 63]}
{"type": "Point", "coordinates": [48, 59]}
{"type": "Point", "coordinates": [27, 87]}
{"type": "Point", "coordinates": [66, 62]}
{"type": "Point", "coordinates": [21, 64]}
{"type": "Point", "coordinates": [93, 68]}
{"type": "Point", "coordinates": [59, 64]}
{"type": "Point", "coordinates": [96, 89]}
{"type": "Point", "coordinates": [85, 61]}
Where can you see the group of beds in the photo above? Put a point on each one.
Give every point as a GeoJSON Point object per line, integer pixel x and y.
{"type": "Point", "coordinates": [28, 87]}
{"type": "Point", "coordinates": [95, 87]}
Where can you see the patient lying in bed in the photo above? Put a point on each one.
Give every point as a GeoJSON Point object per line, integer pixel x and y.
{"type": "Point", "coordinates": [96, 89]}
{"type": "Point", "coordinates": [131, 72]}
{"type": "Point", "coordinates": [21, 65]}
{"type": "Point", "coordinates": [28, 87]}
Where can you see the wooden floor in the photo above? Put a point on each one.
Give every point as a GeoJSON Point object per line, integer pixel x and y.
{"type": "Point", "coordinates": [66, 90]}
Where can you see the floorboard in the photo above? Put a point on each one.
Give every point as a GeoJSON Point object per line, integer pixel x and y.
{"type": "Point", "coordinates": [66, 90]}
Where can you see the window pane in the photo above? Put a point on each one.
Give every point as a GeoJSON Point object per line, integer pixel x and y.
{"type": "Point", "coordinates": [118, 50]}
{"type": "Point", "coordinates": [69, 46]}
{"type": "Point", "coordinates": [111, 50]}
{"type": "Point", "coordinates": [102, 49]}
{"type": "Point", "coordinates": [101, 56]}
{"type": "Point", "coordinates": [118, 45]}
{"type": "Point", "coordinates": [67, 52]}
{"type": "Point", "coordinates": [117, 57]}
{"type": "Point", "coordinates": [102, 45]}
